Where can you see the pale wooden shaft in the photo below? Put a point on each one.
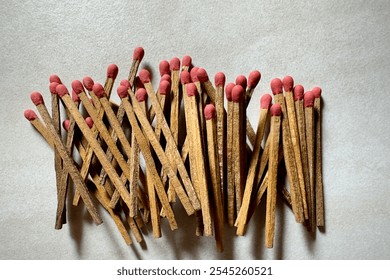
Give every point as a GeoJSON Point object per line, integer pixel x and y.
{"type": "Point", "coordinates": [320, 216]}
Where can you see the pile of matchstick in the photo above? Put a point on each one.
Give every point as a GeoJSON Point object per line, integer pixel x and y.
{"type": "Point", "coordinates": [179, 144]}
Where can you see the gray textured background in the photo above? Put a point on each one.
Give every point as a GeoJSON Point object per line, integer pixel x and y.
{"type": "Point", "coordinates": [342, 46]}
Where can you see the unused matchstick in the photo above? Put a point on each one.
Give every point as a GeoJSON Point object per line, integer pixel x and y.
{"type": "Point", "coordinates": [186, 63]}
{"type": "Point", "coordinates": [138, 54]}
{"type": "Point", "coordinates": [175, 98]}
{"type": "Point", "coordinates": [320, 216]}
{"type": "Point", "coordinates": [211, 128]}
{"type": "Point", "coordinates": [242, 81]}
{"type": "Point", "coordinates": [164, 68]}
{"type": "Point", "coordinates": [288, 84]}
{"type": "Point", "coordinates": [39, 126]}
{"type": "Point", "coordinates": [203, 78]}
{"type": "Point", "coordinates": [37, 99]}
{"type": "Point", "coordinates": [277, 90]}
{"type": "Point", "coordinates": [265, 104]}
{"type": "Point", "coordinates": [253, 79]}
{"type": "Point", "coordinates": [272, 175]}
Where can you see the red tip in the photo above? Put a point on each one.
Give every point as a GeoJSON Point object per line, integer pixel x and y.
{"type": "Point", "coordinates": [88, 83]}
{"type": "Point", "coordinates": [202, 75]}
{"type": "Point", "coordinates": [66, 124]}
{"type": "Point", "coordinates": [54, 78]}
{"type": "Point", "coordinates": [30, 115]}
{"type": "Point", "coordinates": [62, 90]}
{"type": "Point", "coordinates": [122, 91]}
{"type": "Point", "coordinates": [36, 98]}
{"type": "Point", "coordinates": [209, 112]}
{"type": "Point", "coordinates": [125, 83]}
{"type": "Point", "coordinates": [112, 71]}
{"type": "Point", "coordinates": [254, 78]}
{"type": "Point", "coordinates": [194, 74]}
{"type": "Point", "coordinates": [165, 77]}
{"type": "Point", "coordinates": [164, 87]}
{"type": "Point", "coordinates": [265, 101]}
{"type": "Point", "coordinates": [228, 91]}
{"type": "Point", "coordinates": [276, 110]}
{"type": "Point", "coordinates": [138, 53]}
{"type": "Point", "coordinates": [89, 122]}
{"type": "Point", "coordinates": [191, 89]}
{"type": "Point", "coordinates": [52, 87]}
{"type": "Point", "coordinates": [288, 83]}
{"type": "Point", "coordinates": [185, 77]}
{"type": "Point", "coordinates": [75, 96]}
{"type": "Point", "coordinates": [77, 86]}
{"type": "Point", "coordinates": [219, 79]}
{"type": "Point", "coordinates": [144, 76]}
{"type": "Point", "coordinates": [241, 80]}
{"type": "Point", "coordinates": [140, 94]}
{"type": "Point", "coordinates": [276, 86]}
{"type": "Point", "coordinates": [164, 68]}
{"type": "Point", "coordinates": [98, 90]}
{"type": "Point", "coordinates": [308, 99]}
{"type": "Point", "coordinates": [237, 93]}
{"type": "Point", "coordinates": [186, 61]}
{"type": "Point", "coordinates": [317, 92]}
{"type": "Point", "coordinates": [298, 92]}
{"type": "Point", "coordinates": [174, 64]}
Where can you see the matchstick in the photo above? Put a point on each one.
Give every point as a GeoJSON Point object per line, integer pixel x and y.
{"type": "Point", "coordinates": [308, 100]}
{"type": "Point", "coordinates": [265, 104]}
{"type": "Point", "coordinates": [288, 84]}
{"type": "Point", "coordinates": [203, 78]}
{"type": "Point", "coordinates": [164, 68]}
{"type": "Point", "coordinates": [318, 159]}
{"type": "Point", "coordinates": [212, 149]}
{"type": "Point", "coordinates": [191, 109]}
{"type": "Point", "coordinates": [272, 175]}
{"type": "Point", "coordinates": [38, 101]}
{"type": "Point", "coordinates": [253, 79]}
{"type": "Point", "coordinates": [277, 90]}
{"type": "Point", "coordinates": [112, 73]}
{"type": "Point", "coordinates": [37, 124]}
{"type": "Point", "coordinates": [186, 63]}
{"type": "Point", "coordinates": [138, 54]}
{"type": "Point", "coordinates": [239, 143]}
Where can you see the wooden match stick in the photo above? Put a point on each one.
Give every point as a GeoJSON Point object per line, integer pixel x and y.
{"type": "Point", "coordinates": [239, 143]}
{"type": "Point", "coordinates": [265, 104]}
{"type": "Point", "coordinates": [253, 79]}
{"type": "Point", "coordinates": [277, 90]}
{"type": "Point", "coordinates": [320, 216]}
{"type": "Point", "coordinates": [275, 111]}
{"type": "Point", "coordinates": [37, 99]}
{"type": "Point", "coordinates": [191, 109]}
{"type": "Point", "coordinates": [203, 78]}
{"type": "Point", "coordinates": [138, 54]}
{"type": "Point", "coordinates": [37, 124]}
{"type": "Point", "coordinates": [186, 63]}
{"type": "Point", "coordinates": [212, 148]}
{"type": "Point", "coordinates": [308, 100]}
{"type": "Point", "coordinates": [288, 84]}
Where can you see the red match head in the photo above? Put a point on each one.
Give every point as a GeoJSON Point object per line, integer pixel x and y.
{"type": "Point", "coordinates": [228, 91]}
{"type": "Point", "coordinates": [30, 115]}
{"type": "Point", "coordinates": [89, 122]}
{"type": "Point", "coordinates": [191, 89]}
{"type": "Point", "coordinates": [202, 75]}
{"type": "Point", "coordinates": [66, 124]}
{"type": "Point", "coordinates": [219, 79]}
{"type": "Point", "coordinates": [288, 83]}
{"type": "Point", "coordinates": [75, 96]}
{"type": "Point", "coordinates": [37, 98]}
{"type": "Point", "coordinates": [112, 71]}
{"type": "Point", "coordinates": [185, 77]}
{"type": "Point", "coordinates": [209, 112]}
{"type": "Point", "coordinates": [164, 68]}
{"type": "Point", "coordinates": [77, 86]}
{"type": "Point", "coordinates": [275, 110]}
{"type": "Point", "coordinates": [138, 53]}
{"type": "Point", "coordinates": [237, 93]}
{"type": "Point", "coordinates": [54, 78]}
{"type": "Point", "coordinates": [265, 101]}
{"type": "Point", "coordinates": [141, 94]}
{"type": "Point", "coordinates": [308, 99]}
{"type": "Point", "coordinates": [122, 91]}
{"type": "Point", "coordinates": [317, 92]}
{"type": "Point", "coordinates": [164, 87]}
{"type": "Point", "coordinates": [144, 76]}
{"type": "Point", "coordinates": [62, 90]}
{"type": "Point", "coordinates": [88, 83]}
{"type": "Point", "coordinates": [254, 78]}
{"type": "Point", "coordinates": [194, 74]}
{"type": "Point", "coordinates": [98, 90]}
{"type": "Point", "coordinates": [276, 86]}
{"type": "Point", "coordinates": [298, 92]}
{"type": "Point", "coordinates": [52, 87]}
{"type": "Point", "coordinates": [174, 64]}
{"type": "Point", "coordinates": [166, 77]}
{"type": "Point", "coordinates": [241, 80]}
{"type": "Point", "coordinates": [125, 83]}
{"type": "Point", "coordinates": [186, 61]}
